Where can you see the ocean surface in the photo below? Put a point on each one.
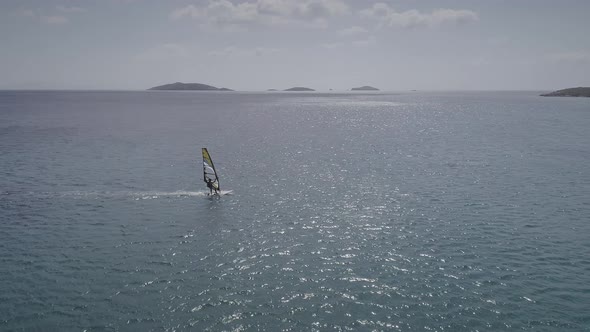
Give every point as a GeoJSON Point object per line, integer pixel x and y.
{"type": "Point", "coordinates": [410, 211]}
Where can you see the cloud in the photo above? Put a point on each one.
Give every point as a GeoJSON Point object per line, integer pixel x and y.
{"type": "Point", "coordinates": [333, 45]}
{"type": "Point", "coordinates": [231, 51]}
{"type": "Point", "coordinates": [54, 19]}
{"type": "Point", "coordinates": [220, 12]}
{"type": "Point", "coordinates": [370, 40]}
{"type": "Point", "coordinates": [571, 57]}
{"type": "Point", "coordinates": [190, 11]}
{"type": "Point", "coordinates": [309, 9]}
{"type": "Point", "coordinates": [164, 52]}
{"type": "Point", "coordinates": [481, 61]}
{"type": "Point", "coordinates": [353, 31]}
{"type": "Point", "coordinates": [225, 52]}
{"type": "Point", "coordinates": [25, 13]}
{"type": "Point", "coordinates": [66, 9]}
{"type": "Point", "coordinates": [264, 12]}
{"type": "Point", "coordinates": [260, 51]}
{"type": "Point", "coordinates": [388, 16]}
{"type": "Point", "coordinates": [49, 18]}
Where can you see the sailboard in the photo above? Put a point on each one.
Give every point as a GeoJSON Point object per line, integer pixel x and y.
{"type": "Point", "coordinates": [209, 172]}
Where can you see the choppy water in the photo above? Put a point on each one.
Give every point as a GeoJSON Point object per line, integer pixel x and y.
{"type": "Point", "coordinates": [410, 212]}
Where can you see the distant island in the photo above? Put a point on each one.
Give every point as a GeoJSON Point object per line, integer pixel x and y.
{"type": "Point", "coordinates": [271, 90]}
{"type": "Point", "coordinates": [572, 92]}
{"type": "Point", "coordinates": [365, 88]}
{"type": "Point", "coordinates": [189, 86]}
{"type": "Point", "coordinates": [299, 88]}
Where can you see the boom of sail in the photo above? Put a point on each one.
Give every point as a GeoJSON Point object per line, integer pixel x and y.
{"type": "Point", "coordinates": [209, 172]}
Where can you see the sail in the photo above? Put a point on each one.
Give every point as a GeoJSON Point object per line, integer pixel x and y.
{"type": "Point", "coordinates": [209, 169]}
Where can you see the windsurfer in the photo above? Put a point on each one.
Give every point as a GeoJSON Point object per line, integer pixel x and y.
{"type": "Point", "coordinates": [210, 186]}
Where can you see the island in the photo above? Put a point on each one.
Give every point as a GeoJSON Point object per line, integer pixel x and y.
{"type": "Point", "coordinates": [299, 88]}
{"type": "Point", "coordinates": [271, 90]}
{"type": "Point", "coordinates": [189, 86]}
{"type": "Point", "coordinates": [365, 88]}
{"type": "Point", "coordinates": [571, 92]}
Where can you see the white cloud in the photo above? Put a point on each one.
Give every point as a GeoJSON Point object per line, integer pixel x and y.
{"type": "Point", "coordinates": [225, 52]}
{"type": "Point", "coordinates": [388, 16]}
{"type": "Point", "coordinates": [260, 51]}
{"type": "Point", "coordinates": [25, 13]}
{"type": "Point", "coordinates": [220, 12]}
{"type": "Point", "coordinates": [365, 42]}
{"type": "Point", "coordinates": [265, 12]}
{"type": "Point", "coordinates": [48, 18]}
{"type": "Point", "coordinates": [371, 40]}
{"type": "Point", "coordinates": [309, 9]}
{"type": "Point", "coordinates": [353, 31]}
{"type": "Point", "coordinates": [164, 52]}
{"type": "Point", "coordinates": [333, 45]}
{"type": "Point", "coordinates": [480, 61]}
{"type": "Point", "coordinates": [231, 51]}
{"type": "Point", "coordinates": [54, 19]}
{"type": "Point", "coordinates": [67, 9]}
{"type": "Point", "coordinates": [571, 57]}
{"type": "Point", "coordinates": [190, 11]}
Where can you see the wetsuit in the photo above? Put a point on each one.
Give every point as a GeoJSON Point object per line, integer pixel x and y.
{"type": "Point", "coordinates": [210, 186]}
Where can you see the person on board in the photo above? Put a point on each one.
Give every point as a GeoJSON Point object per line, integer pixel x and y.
{"type": "Point", "coordinates": [210, 186]}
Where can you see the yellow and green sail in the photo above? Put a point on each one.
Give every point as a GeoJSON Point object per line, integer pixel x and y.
{"type": "Point", "coordinates": [209, 169]}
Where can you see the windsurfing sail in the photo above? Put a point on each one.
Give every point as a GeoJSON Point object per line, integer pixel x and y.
{"type": "Point", "coordinates": [209, 172]}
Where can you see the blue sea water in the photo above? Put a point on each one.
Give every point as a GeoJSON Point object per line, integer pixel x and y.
{"type": "Point", "coordinates": [414, 211]}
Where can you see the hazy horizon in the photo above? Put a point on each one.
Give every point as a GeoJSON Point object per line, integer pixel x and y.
{"type": "Point", "coordinates": [255, 45]}
{"type": "Point", "coordinates": [283, 90]}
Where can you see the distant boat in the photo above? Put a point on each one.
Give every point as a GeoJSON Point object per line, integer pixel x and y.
{"type": "Point", "coordinates": [209, 173]}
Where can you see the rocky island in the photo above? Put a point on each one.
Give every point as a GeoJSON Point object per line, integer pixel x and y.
{"type": "Point", "coordinates": [189, 86]}
{"type": "Point", "coordinates": [571, 92]}
{"type": "Point", "coordinates": [365, 88]}
{"type": "Point", "coordinates": [299, 88]}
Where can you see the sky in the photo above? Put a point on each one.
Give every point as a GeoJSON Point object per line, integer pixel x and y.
{"type": "Point", "coordinates": [254, 45]}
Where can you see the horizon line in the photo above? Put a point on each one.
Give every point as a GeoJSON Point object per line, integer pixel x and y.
{"type": "Point", "coordinates": [322, 90]}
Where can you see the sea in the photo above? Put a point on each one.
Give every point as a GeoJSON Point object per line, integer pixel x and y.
{"type": "Point", "coordinates": [387, 211]}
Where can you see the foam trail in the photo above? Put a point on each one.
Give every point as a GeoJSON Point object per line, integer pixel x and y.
{"type": "Point", "coordinates": [167, 194]}
{"type": "Point", "coordinates": [137, 195]}
{"type": "Point", "coordinates": [180, 193]}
